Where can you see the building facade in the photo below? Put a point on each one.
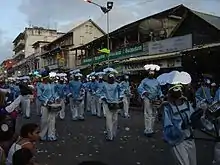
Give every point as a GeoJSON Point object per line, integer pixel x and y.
{"type": "Point", "coordinates": [160, 39]}
{"type": "Point", "coordinates": [23, 45]}
{"type": "Point", "coordinates": [58, 54]}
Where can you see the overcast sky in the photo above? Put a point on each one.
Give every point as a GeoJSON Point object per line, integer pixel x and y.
{"type": "Point", "coordinates": [65, 14]}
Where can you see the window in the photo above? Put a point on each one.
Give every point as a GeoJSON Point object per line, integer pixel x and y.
{"type": "Point", "coordinates": [81, 40]}
{"type": "Point", "coordinates": [87, 28]}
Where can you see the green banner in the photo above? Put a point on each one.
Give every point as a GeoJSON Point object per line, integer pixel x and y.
{"type": "Point", "coordinates": [114, 55]}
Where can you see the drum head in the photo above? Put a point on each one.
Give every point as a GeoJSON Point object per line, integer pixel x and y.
{"type": "Point", "coordinates": [54, 105]}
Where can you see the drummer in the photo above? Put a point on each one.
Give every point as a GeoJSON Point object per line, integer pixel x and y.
{"type": "Point", "coordinates": [48, 119]}
{"type": "Point", "coordinates": [203, 96]}
{"type": "Point", "coordinates": [176, 123]}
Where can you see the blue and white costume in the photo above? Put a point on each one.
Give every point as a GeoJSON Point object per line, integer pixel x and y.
{"type": "Point", "coordinates": [125, 85]}
{"type": "Point", "coordinates": [111, 93]}
{"type": "Point", "coordinates": [93, 86]}
{"type": "Point", "coordinates": [149, 90]}
{"type": "Point", "coordinates": [61, 90]}
{"type": "Point", "coordinates": [99, 102]}
{"type": "Point", "coordinates": [77, 94]}
{"type": "Point", "coordinates": [37, 101]}
{"type": "Point", "coordinates": [177, 111]}
{"type": "Point", "coordinates": [48, 119]}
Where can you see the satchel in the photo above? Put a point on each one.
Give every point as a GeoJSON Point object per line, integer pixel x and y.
{"type": "Point", "coordinates": [115, 106]}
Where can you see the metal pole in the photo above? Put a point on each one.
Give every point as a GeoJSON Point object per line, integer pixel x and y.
{"type": "Point", "coordinates": [108, 43]}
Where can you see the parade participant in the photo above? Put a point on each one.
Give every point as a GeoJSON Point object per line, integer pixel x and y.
{"type": "Point", "coordinates": [203, 96]}
{"type": "Point", "coordinates": [112, 96]}
{"type": "Point", "coordinates": [77, 94]}
{"type": "Point", "coordinates": [99, 102]}
{"type": "Point", "coordinates": [176, 121]}
{"type": "Point", "coordinates": [213, 89]}
{"type": "Point", "coordinates": [126, 101]}
{"type": "Point", "coordinates": [61, 90]}
{"type": "Point", "coordinates": [47, 96]}
{"type": "Point", "coordinates": [93, 86]}
{"type": "Point", "coordinates": [37, 92]}
{"type": "Point", "coordinates": [150, 91]}
{"type": "Point", "coordinates": [26, 92]}
{"type": "Point", "coordinates": [88, 95]}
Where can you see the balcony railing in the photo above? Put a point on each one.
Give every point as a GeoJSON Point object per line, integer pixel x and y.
{"type": "Point", "coordinates": [19, 45]}
{"type": "Point", "coordinates": [19, 54]}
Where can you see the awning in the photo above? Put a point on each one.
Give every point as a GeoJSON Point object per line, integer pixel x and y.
{"type": "Point", "coordinates": [153, 57]}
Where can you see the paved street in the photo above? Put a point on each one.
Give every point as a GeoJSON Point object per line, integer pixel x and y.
{"type": "Point", "coordinates": [79, 141]}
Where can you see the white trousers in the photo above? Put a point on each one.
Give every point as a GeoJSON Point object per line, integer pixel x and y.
{"type": "Point", "coordinates": [126, 102]}
{"type": "Point", "coordinates": [99, 106]}
{"type": "Point", "coordinates": [111, 121]}
{"type": "Point", "coordinates": [25, 105]}
{"type": "Point", "coordinates": [88, 101]}
{"type": "Point", "coordinates": [93, 104]}
{"type": "Point", "coordinates": [48, 122]}
{"type": "Point", "coordinates": [62, 112]}
{"type": "Point", "coordinates": [38, 106]}
{"type": "Point", "coordinates": [77, 109]}
{"type": "Point", "coordinates": [185, 153]}
{"type": "Point", "coordinates": [149, 116]}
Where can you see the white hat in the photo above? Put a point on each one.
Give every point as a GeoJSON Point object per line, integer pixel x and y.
{"type": "Point", "coordinates": [152, 67]}
{"type": "Point", "coordinates": [110, 70]}
{"type": "Point", "coordinates": [78, 75]}
{"type": "Point", "coordinates": [175, 77]}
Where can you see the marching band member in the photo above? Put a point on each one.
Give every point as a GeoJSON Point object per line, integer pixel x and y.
{"type": "Point", "coordinates": [112, 96]}
{"type": "Point", "coordinates": [88, 95]}
{"type": "Point", "coordinates": [47, 96]}
{"type": "Point", "coordinates": [93, 86]}
{"type": "Point", "coordinates": [99, 102]}
{"type": "Point", "coordinates": [26, 92]}
{"type": "Point", "coordinates": [203, 96]}
{"type": "Point", "coordinates": [37, 101]}
{"type": "Point", "coordinates": [176, 122]}
{"type": "Point", "coordinates": [150, 91]}
{"type": "Point", "coordinates": [126, 86]}
{"type": "Point", "coordinates": [77, 94]}
{"type": "Point", "coordinates": [61, 90]}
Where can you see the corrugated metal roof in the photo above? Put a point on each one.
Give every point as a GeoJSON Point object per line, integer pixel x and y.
{"type": "Point", "coordinates": [212, 19]}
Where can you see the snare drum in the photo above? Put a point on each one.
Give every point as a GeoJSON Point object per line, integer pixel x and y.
{"type": "Point", "coordinates": [55, 107]}
{"type": "Point", "coordinates": [214, 109]}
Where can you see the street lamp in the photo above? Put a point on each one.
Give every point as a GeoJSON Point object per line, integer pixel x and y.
{"type": "Point", "coordinates": [105, 10]}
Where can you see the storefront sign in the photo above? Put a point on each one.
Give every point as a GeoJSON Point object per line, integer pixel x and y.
{"type": "Point", "coordinates": [114, 55]}
{"type": "Point", "coordinates": [171, 45]}
{"type": "Point", "coordinates": [164, 64]}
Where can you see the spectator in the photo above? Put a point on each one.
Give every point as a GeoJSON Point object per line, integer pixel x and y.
{"type": "Point", "coordinates": [29, 134]}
